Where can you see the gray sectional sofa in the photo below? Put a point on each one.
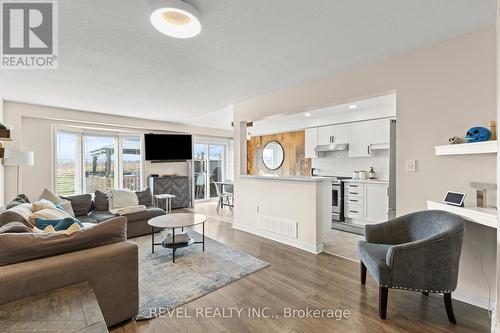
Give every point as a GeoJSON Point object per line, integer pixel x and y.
{"type": "Point", "coordinates": [89, 210]}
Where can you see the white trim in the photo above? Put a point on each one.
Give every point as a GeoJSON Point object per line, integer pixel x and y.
{"type": "Point", "coordinates": [463, 296]}
{"type": "Point", "coordinates": [282, 239]}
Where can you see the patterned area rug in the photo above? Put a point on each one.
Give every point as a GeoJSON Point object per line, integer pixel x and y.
{"type": "Point", "coordinates": [165, 285]}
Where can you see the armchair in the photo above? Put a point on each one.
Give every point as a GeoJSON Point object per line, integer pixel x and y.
{"type": "Point", "coordinates": [418, 252]}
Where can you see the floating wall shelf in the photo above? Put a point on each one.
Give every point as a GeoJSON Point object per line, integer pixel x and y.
{"type": "Point", "coordinates": [486, 147]}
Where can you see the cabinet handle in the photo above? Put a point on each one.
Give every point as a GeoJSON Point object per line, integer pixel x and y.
{"type": "Point", "coordinates": [353, 200]}
{"type": "Point", "coordinates": [353, 192]}
{"type": "Point", "coordinates": [333, 138]}
{"type": "Point", "coordinates": [368, 150]}
{"type": "Point", "coordinates": [353, 211]}
{"type": "Point", "coordinates": [353, 185]}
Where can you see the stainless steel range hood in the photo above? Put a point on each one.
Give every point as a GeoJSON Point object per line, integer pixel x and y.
{"type": "Point", "coordinates": [331, 147]}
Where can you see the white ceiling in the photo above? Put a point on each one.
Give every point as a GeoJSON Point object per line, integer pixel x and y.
{"type": "Point", "coordinates": [113, 61]}
{"type": "Point", "coordinates": [370, 108]}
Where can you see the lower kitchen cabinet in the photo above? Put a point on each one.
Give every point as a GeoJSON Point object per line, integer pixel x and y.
{"type": "Point", "coordinates": [366, 203]}
{"type": "Point", "coordinates": [377, 203]}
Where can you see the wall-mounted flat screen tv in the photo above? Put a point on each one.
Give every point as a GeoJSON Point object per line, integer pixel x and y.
{"type": "Point", "coordinates": [168, 147]}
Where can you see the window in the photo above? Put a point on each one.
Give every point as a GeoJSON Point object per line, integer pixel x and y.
{"type": "Point", "coordinates": [86, 162]}
{"type": "Point", "coordinates": [131, 163]}
{"type": "Point", "coordinates": [67, 164]}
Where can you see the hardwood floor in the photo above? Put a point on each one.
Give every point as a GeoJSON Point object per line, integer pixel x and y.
{"type": "Point", "coordinates": [297, 279]}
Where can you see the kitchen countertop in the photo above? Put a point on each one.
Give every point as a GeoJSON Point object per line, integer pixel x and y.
{"type": "Point", "coordinates": [367, 181]}
{"type": "Point", "coordinates": [310, 179]}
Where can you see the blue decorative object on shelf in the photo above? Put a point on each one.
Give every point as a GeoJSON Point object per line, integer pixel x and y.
{"type": "Point", "coordinates": [478, 134]}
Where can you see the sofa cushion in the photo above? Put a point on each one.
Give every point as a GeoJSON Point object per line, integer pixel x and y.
{"type": "Point", "coordinates": [101, 215]}
{"type": "Point", "coordinates": [19, 213]}
{"type": "Point", "coordinates": [81, 203]}
{"type": "Point", "coordinates": [42, 204]}
{"type": "Point", "coordinates": [14, 227]}
{"type": "Point", "coordinates": [147, 214]}
{"type": "Point", "coordinates": [21, 247]}
{"type": "Point", "coordinates": [20, 199]}
{"type": "Point", "coordinates": [145, 197]}
{"type": "Point", "coordinates": [101, 200]}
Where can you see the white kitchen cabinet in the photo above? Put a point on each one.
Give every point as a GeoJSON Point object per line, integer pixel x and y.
{"type": "Point", "coordinates": [342, 133]}
{"type": "Point", "coordinates": [376, 203]}
{"type": "Point", "coordinates": [325, 135]}
{"type": "Point", "coordinates": [311, 141]}
{"type": "Point", "coordinates": [380, 132]}
{"type": "Point", "coordinates": [359, 143]}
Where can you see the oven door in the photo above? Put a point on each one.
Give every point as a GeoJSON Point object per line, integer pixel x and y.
{"type": "Point", "coordinates": [337, 202]}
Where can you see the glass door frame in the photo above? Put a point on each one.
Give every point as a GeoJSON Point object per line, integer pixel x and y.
{"type": "Point", "coordinates": [226, 162]}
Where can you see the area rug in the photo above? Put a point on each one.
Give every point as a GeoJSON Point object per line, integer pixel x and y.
{"type": "Point", "coordinates": [167, 285]}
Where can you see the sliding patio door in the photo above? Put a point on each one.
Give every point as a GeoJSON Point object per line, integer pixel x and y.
{"type": "Point", "coordinates": [209, 166]}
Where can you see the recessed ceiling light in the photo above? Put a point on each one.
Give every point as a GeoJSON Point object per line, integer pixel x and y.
{"type": "Point", "coordinates": [175, 18]}
{"type": "Point", "coordinates": [353, 106]}
{"type": "Point", "coordinates": [307, 114]}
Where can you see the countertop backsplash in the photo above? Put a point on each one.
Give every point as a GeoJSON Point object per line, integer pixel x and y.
{"type": "Point", "coordinates": [338, 163]}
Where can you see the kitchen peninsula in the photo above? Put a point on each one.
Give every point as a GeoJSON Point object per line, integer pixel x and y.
{"type": "Point", "coordinates": [289, 209]}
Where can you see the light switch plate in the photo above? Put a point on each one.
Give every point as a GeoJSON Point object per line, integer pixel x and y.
{"type": "Point", "coordinates": [411, 165]}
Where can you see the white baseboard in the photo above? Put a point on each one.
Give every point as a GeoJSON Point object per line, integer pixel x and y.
{"type": "Point", "coordinates": [463, 296]}
{"type": "Point", "coordinates": [316, 249]}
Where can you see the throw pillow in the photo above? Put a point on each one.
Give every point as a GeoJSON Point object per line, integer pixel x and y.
{"type": "Point", "coordinates": [20, 199]}
{"type": "Point", "coordinates": [50, 196]}
{"type": "Point", "coordinates": [19, 213]}
{"type": "Point", "coordinates": [145, 197]}
{"type": "Point", "coordinates": [48, 214]}
{"type": "Point", "coordinates": [101, 200]}
{"type": "Point", "coordinates": [74, 228]}
{"type": "Point", "coordinates": [14, 227]}
{"type": "Point", "coordinates": [21, 247]}
{"type": "Point", "coordinates": [122, 198]}
{"type": "Point", "coordinates": [41, 204]}
{"type": "Point", "coordinates": [67, 207]}
{"type": "Point", "coordinates": [49, 229]}
{"type": "Point", "coordinates": [58, 224]}
{"type": "Point", "coordinates": [81, 203]}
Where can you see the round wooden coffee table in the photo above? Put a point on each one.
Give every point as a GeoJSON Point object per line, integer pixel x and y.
{"type": "Point", "coordinates": [175, 221]}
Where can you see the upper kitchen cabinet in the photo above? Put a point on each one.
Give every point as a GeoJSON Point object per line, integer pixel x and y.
{"type": "Point", "coordinates": [341, 133]}
{"type": "Point", "coordinates": [325, 135]}
{"type": "Point", "coordinates": [359, 144]}
{"type": "Point", "coordinates": [334, 134]}
{"type": "Point", "coordinates": [311, 141]}
{"type": "Point", "coordinates": [380, 133]}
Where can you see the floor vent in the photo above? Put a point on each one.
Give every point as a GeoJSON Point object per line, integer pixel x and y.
{"type": "Point", "coordinates": [283, 227]}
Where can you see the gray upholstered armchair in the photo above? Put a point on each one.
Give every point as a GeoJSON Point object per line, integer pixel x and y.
{"type": "Point", "coordinates": [418, 252]}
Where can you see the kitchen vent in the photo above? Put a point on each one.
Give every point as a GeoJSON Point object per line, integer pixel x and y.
{"type": "Point", "coordinates": [279, 226]}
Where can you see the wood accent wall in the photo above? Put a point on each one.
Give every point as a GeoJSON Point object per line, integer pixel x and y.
{"type": "Point", "coordinates": [294, 164]}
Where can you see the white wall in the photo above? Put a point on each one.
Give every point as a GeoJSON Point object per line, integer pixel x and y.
{"type": "Point", "coordinates": [33, 129]}
{"type": "Point", "coordinates": [442, 90]}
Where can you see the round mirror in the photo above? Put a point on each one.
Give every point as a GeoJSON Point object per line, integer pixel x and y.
{"type": "Point", "coordinates": [273, 155]}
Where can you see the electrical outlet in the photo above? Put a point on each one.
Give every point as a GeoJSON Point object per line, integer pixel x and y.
{"type": "Point", "coordinates": [411, 165]}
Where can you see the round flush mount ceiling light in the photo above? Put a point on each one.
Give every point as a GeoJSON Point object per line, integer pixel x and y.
{"type": "Point", "coordinates": [353, 106]}
{"type": "Point", "coordinates": [307, 114]}
{"type": "Point", "coordinates": [175, 18]}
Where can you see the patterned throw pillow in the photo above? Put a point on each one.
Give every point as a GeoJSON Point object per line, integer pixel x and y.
{"type": "Point", "coordinates": [41, 204]}
{"type": "Point", "coordinates": [61, 224]}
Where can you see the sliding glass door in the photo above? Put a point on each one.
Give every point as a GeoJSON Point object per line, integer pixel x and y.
{"type": "Point", "coordinates": [86, 162]}
{"type": "Point", "coordinates": [209, 166]}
